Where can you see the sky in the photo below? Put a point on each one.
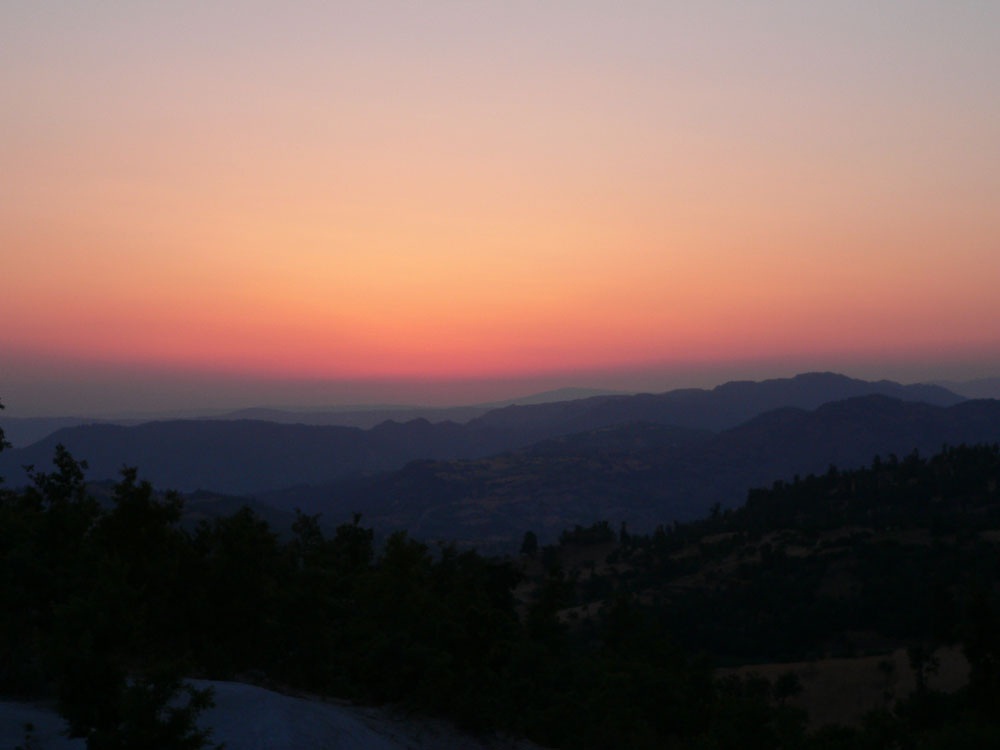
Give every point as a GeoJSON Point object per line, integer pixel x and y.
{"type": "Point", "coordinates": [206, 203]}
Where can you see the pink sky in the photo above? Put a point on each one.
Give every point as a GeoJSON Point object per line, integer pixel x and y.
{"type": "Point", "coordinates": [492, 193]}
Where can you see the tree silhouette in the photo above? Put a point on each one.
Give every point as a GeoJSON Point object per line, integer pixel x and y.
{"type": "Point", "coordinates": [3, 438]}
{"type": "Point", "coordinates": [529, 546]}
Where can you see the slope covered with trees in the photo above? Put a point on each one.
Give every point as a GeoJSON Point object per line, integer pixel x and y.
{"type": "Point", "coordinates": [108, 606]}
{"type": "Point", "coordinates": [643, 474]}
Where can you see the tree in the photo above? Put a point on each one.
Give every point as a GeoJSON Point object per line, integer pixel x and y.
{"type": "Point", "coordinates": [529, 546]}
{"type": "Point", "coordinates": [3, 444]}
{"type": "Point", "coordinates": [787, 686]}
{"type": "Point", "coordinates": [923, 663]}
{"type": "Point", "coordinates": [153, 712]}
{"type": "Point", "coordinates": [3, 438]}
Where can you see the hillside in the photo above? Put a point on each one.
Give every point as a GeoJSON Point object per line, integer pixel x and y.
{"type": "Point", "coordinates": [610, 638]}
{"type": "Point", "coordinates": [247, 456]}
{"type": "Point", "coordinates": [855, 577]}
{"type": "Point", "coordinates": [23, 431]}
{"type": "Point", "coordinates": [720, 408]}
{"type": "Point", "coordinates": [641, 474]}
{"type": "Point", "coordinates": [255, 456]}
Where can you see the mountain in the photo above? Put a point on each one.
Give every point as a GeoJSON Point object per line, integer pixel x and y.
{"type": "Point", "coordinates": [980, 388]}
{"type": "Point", "coordinates": [856, 564]}
{"type": "Point", "coordinates": [642, 474]}
{"type": "Point", "coordinates": [23, 431]}
{"type": "Point", "coordinates": [559, 394]}
{"type": "Point", "coordinates": [720, 408]}
{"type": "Point", "coordinates": [253, 456]}
{"type": "Point", "coordinates": [368, 417]}
{"type": "Point", "coordinates": [245, 456]}
{"type": "Point", "coordinates": [364, 418]}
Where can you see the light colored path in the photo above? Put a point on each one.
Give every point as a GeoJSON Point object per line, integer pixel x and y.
{"type": "Point", "coordinates": [246, 717]}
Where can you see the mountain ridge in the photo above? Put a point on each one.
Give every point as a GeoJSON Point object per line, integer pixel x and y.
{"type": "Point", "coordinates": [673, 476]}
{"type": "Point", "coordinates": [252, 456]}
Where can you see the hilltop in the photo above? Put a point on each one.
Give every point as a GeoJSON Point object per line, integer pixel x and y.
{"type": "Point", "coordinates": [642, 474]}
{"type": "Point", "coordinates": [257, 456]}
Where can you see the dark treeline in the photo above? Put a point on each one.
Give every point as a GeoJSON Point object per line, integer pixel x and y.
{"type": "Point", "coordinates": [904, 553]}
{"type": "Point", "coordinates": [895, 553]}
{"type": "Point", "coordinates": [106, 606]}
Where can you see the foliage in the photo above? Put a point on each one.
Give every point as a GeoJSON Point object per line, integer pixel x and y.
{"type": "Point", "coordinates": [107, 606]}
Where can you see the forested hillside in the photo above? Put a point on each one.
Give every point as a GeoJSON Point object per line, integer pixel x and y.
{"type": "Point", "coordinates": [839, 563]}
{"type": "Point", "coordinates": [109, 607]}
{"type": "Point", "coordinates": [642, 474]}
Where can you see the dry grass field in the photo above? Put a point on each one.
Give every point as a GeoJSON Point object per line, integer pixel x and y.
{"type": "Point", "coordinates": [842, 691]}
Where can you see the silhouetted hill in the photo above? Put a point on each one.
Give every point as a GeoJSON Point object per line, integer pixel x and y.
{"type": "Point", "coordinates": [251, 456]}
{"type": "Point", "coordinates": [868, 560]}
{"type": "Point", "coordinates": [642, 474]}
{"type": "Point", "coordinates": [720, 408]}
{"type": "Point", "coordinates": [245, 456]}
{"type": "Point", "coordinates": [979, 388]}
{"type": "Point", "coordinates": [23, 431]}
{"type": "Point", "coordinates": [362, 418]}
{"type": "Point", "coordinates": [367, 417]}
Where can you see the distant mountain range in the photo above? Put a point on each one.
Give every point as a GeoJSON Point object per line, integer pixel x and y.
{"type": "Point", "coordinates": [980, 388]}
{"type": "Point", "coordinates": [23, 431]}
{"type": "Point", "coordinates": [245, 456]}
{"type": "Point", "coordinates": [720, 408]}
{"type": "Point", "coordinates": [372, 417]}
{"type": "Point", "coordinates": [254, 456]}
{"type": "Point", "coordinates": [643, 474]}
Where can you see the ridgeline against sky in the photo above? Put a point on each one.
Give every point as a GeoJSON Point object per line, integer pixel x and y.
{"type": "Point", "coordinates": [209, 202]}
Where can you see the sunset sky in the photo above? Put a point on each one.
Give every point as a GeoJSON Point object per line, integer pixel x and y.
{"type": "Point", "coordinates": [238, 203]}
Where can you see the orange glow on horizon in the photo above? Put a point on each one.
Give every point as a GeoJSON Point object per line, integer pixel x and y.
{"type": "Point", "coordinates": [509, 194]}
